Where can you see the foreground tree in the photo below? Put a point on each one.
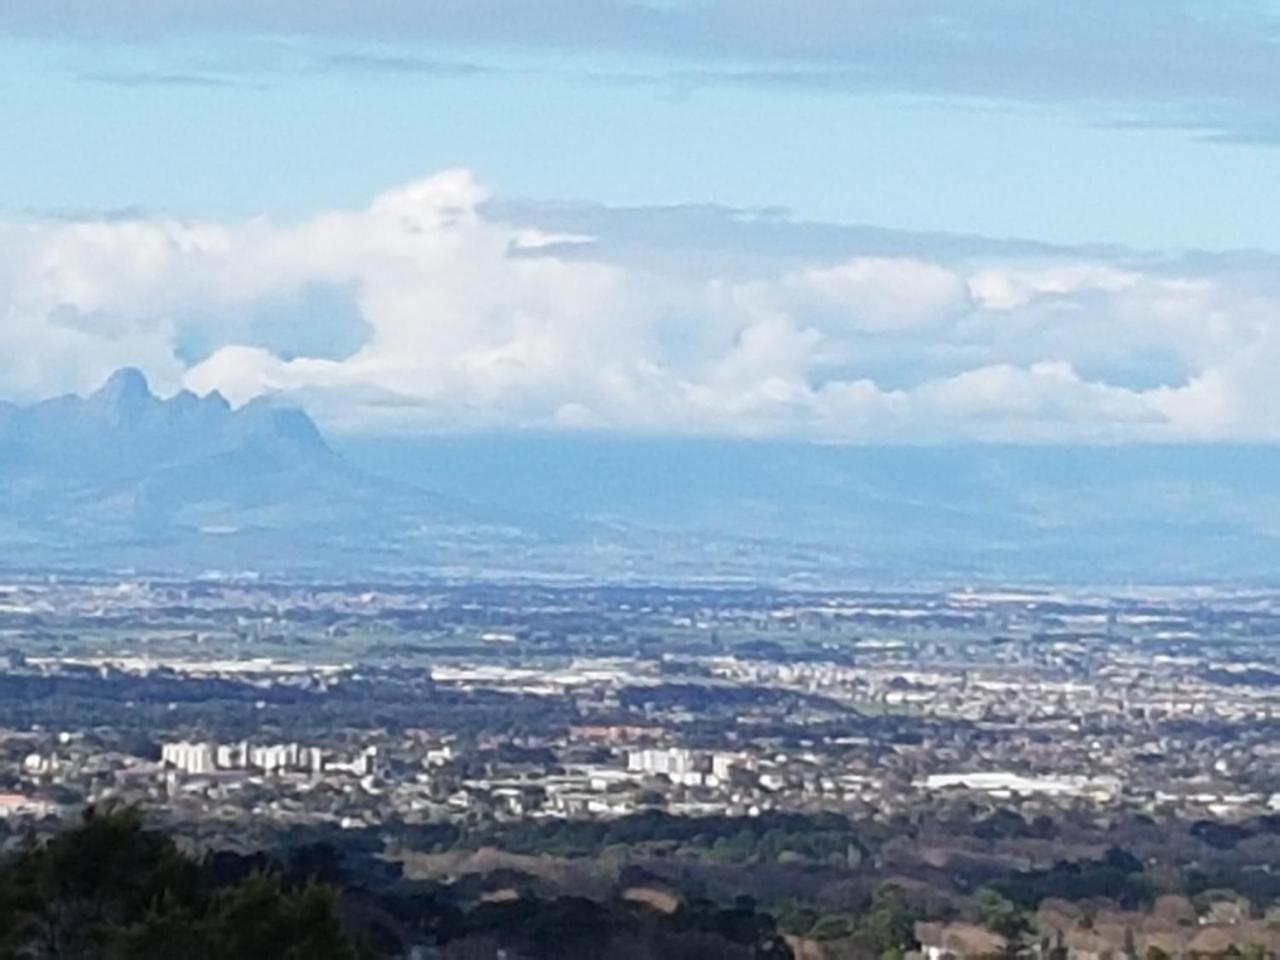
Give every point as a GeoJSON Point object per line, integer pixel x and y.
{"type": "Point", "coordinates": [110, 888]}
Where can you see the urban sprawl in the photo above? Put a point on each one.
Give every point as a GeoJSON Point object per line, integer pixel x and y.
{"type": "Point", "coordinates": [234, 710]}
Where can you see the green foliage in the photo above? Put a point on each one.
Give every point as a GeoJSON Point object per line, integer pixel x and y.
{"type": "Point", "coordinates": [765, 838]}
{"type": "Point", "coordinates": [886, 929]}
{"type": "Point", "coordinates": [889, 923]}
{"type": "Point", "coordinates": [795, 918]}
{"type": "Point", "coordinates": [260, 918]}
{"type": "Point", "coordinates": [1118, 876]}
{"type": "Point", "coordinates": [573, 928]}
{"type": "Point", "coordinates": [1000, 915]}
{"type": "Point", "coordinates": [831, 927]}
{"type": "Point", "coordinates": [110, 888]}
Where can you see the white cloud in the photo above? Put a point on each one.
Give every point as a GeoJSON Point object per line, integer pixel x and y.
{"type": "Point", "coordinates": [472, 321]}
{"type": "Point", "coordinates": [881, 294]}
{"type": "Point", "coordinates": [1003, 288]}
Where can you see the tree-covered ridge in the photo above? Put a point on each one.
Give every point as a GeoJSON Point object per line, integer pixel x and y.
{"type": "Point", "coordinates": [737, 839]}
{"type": "Point", "coordinates": [112, 888]}
{"type": "Point", "coordinates": [647, 887]}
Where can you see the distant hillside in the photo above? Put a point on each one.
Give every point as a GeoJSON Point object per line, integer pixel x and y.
{"type": "Point", "coordinates": [1099, 515]}
{"type": "Point", "coordinates": [124, 479]}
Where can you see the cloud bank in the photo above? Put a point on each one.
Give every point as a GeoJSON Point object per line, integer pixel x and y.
{"type": "Point", "coordinates": [439, 307]}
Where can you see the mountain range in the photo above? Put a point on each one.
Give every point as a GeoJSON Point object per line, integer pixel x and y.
{"type": "Point", "coordinates": [124, 479]}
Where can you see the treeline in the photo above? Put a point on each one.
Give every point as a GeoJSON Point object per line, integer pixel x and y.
{"type": "Point", "coordinates": [574, 928]}
{"type": "Point", "coordinates": [818, 836]}
{"type": "Point", "coordinates": [886, 928]}
{"type": "Point", "coordinates": [231, 709]}
{"type": "Point", "coordinates": [1118, 876]}
{"type": "Point", "coordinates": [110, 888]}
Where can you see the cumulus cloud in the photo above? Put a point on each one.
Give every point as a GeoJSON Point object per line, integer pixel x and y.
{"type": "Point", "coordinates": [879, 294]}
{"type": "Point", "coordinates": [436, 307]}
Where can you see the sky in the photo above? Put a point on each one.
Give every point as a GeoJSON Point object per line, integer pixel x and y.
{"type": "Point", "coordinates": [872, 220]}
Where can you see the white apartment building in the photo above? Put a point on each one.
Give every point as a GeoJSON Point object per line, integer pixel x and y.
{"type": "Point", "coordinates": [192, 758]}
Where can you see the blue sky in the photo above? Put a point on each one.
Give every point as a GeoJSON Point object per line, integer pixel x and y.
{"type": "Point", "coordinates": [1124, 134]}
{"type": "Point", "coordinates": [1123, 125]}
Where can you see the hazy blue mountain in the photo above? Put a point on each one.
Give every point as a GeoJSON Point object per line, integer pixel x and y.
{"type": "Point", "coordinates": [1091, 514]}
{"type": "Point", "coordinates": [124, 429]}
{"type": "Point", "coordinates": [122, 478]}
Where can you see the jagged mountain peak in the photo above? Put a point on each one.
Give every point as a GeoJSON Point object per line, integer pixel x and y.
{"type": "Point", "coordinates": [126, 385]}
{"type": "Point", "coordinates": [125, 398]}
{"type": "Point", "coordinates": [132, 406]}
{"type": "Point", "coordinates": [123, 427]}
{"type": "Point", "coordinates": [128, 390]}
{"type": "Point", "coordinates": [129, 467]}
{"type": "Point", "coordinates": [286, 417]}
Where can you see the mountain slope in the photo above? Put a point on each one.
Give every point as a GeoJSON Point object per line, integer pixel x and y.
{"type": "Point", "coordinates": [122, 477]}
{"type": "Point", "coordinates": [948, 513]}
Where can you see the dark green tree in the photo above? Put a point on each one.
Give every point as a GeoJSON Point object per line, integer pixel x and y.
{"type": "Point", "coordinates": [889, 923]}
{"type": "Point", "coordinates": [112, 889]}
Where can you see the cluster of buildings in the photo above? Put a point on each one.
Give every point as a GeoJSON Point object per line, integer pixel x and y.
{"type": "Point", "coordinates": [626, 698]}
{"type": "Point", "coordinates": [684, 767]}
{"type": "Point", "coordinates": [198, 758]}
